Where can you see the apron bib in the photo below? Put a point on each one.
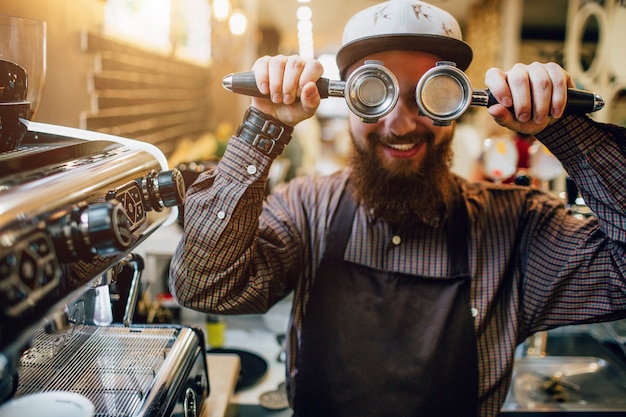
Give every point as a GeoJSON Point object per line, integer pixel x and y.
{"type": "Point", "coordinates": [377, 343]}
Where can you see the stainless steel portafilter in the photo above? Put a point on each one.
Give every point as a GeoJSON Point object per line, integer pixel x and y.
{"type": "Point", "coordinates": [444, 93]}
{"type": "Point", "coordinates": [371, 91]}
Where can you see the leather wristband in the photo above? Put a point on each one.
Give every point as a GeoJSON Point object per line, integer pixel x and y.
{"type": "Point", "coordinates": [264, 132]}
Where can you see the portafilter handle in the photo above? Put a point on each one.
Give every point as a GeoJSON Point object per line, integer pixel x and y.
{"type": "Point", "coordinates": [444, 93]}
{"type": "Point", "coordinates": [371, 91]}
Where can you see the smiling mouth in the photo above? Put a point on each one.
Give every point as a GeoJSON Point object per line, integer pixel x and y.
{"type": "Point", "coordinates": [402, 146]}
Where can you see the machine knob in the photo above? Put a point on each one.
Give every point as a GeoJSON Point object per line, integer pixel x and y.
{"type": "Point", "coordinates": [90, 230]}
{"type": "Point", "coordinates": [108, 228]}
{"type": "Point", "coordinates": [164, 189]}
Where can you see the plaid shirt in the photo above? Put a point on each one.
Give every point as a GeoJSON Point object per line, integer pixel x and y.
{"type": "Point", "coordinates": [534, 266]}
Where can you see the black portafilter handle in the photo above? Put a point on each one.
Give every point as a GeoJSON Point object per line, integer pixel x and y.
{"type": "Point", "coordinates": [371, 91]}
{"type": "Point", "coordinates": [244, 83]}
{"type": "Point", "coordinates": [571, 191]}
{"type": "Point", "coordinates": [578, 101]}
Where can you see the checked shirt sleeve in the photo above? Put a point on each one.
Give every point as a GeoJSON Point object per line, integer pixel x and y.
{"type": "Point", "coordinates": [218, 265]}
{"type": "Point", "coordinates": [575, 270]}
{"type": "Point", "coordinates": [594, 155]}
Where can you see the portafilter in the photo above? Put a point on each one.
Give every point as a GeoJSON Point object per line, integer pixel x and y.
{"type": "Point", "coordinates": [371, 91]}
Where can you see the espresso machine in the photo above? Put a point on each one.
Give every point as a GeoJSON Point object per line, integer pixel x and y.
{"type": "Point", "coordinates": [73, 206]}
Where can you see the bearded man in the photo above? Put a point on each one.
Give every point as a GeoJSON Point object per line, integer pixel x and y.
{"type": "Point", "coordinates": [412, 287]}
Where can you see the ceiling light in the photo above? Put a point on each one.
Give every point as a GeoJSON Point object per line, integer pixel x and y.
{"type": "Point", "coordinates": [237, 22]}
{"type": "Point", "coordinates": [304, 13]}
{"type": "Point", "coordinates": [221, 9]}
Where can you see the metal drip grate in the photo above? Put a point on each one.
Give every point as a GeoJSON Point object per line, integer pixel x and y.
{"type": "Point", "coordinates": [112, 366]}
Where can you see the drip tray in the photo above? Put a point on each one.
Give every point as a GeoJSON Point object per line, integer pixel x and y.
{"type": "Point", "coordinates": [117, 368]}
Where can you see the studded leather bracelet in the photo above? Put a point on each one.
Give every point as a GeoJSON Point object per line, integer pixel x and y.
{"type": "Point", "coordinates": [264, 132]}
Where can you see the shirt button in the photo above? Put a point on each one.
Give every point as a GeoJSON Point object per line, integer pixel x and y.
{"type": "Point", "coordinates": [474, 311]}
{"type": "Point", "coordinates": [251, 169]}
{"type": "Point", "coordinates": [396, 240]}
{"type": "Point", "coordinates": [221, 215]}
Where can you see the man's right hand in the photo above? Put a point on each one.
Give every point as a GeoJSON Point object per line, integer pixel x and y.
{"type": "Point", "coordinates": [537, 92]}
{"type": "Point", "coordinates": [290, 83]}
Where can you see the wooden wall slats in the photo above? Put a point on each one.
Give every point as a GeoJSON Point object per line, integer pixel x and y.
{"type": "Point", "coordinates": [146, 109]}
{"type": "Point", "coordinates": [148, 78]}
{"type": "Point", "coordinates": [103, 100]}
{"type": "Point", "coordinates": [141, 128]}
{"type": "Point", "coordinates": [150, 94]}
{"type": "Point", "coordinates": [94, 43]}
{"type": "Point", "coordinates": [119, 61]}
{"type": "Point", "coordinates": [116, 116]}
{"type": "Point", "coordinates": [144, 95]}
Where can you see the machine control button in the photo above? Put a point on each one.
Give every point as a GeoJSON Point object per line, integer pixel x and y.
{"type": "Point", "coordinates": [164, 189]}
{"type": "Point", "coordinates": [172, 186]}
{"type": "Point", "coordinates": [7, 265]}
{"type": "Point", "coordinates": [89, 230]}
{"type": "Point", "coordinates": [130, 196]}
{"type": "Point", "coordinates": [28, 273]}
{"type": "Point", "coordinates": [29, 270]}
{"type": "Point", "coordinates": [108, 228]}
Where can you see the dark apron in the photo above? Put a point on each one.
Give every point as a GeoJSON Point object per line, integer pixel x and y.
{"type": "Point", "coordinates": [377, 343]}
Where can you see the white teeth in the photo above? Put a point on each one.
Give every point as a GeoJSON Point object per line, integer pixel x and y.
{"type": "Point", "coordinates": [402, 146]}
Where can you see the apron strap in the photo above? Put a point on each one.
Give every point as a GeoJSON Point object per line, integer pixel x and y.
{"type": "Point", "coordinates": [341, 225]}
{"type": "Point", "coordinates": [458, 233]}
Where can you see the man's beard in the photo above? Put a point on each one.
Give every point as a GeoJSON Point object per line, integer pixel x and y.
{"type": "Point", "coordinates": [403, 197]}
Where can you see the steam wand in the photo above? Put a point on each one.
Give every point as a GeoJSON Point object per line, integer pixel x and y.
{"type": "Point", "coordinates": [136, 262]}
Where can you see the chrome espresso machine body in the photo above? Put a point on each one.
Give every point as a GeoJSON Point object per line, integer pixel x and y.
{"type": "Point", "coordinates": [73, 206]}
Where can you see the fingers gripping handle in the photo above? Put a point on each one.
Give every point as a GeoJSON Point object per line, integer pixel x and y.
{"type": "Point", "coordinates": [245, 83]}
{"type": "Point", "coordinates": [578, 101]}
{"type": "Point", "coordinates": [371, 91]}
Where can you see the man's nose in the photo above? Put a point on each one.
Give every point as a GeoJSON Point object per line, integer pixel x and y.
{"type": "Point", "coordinates": [403, 119]}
